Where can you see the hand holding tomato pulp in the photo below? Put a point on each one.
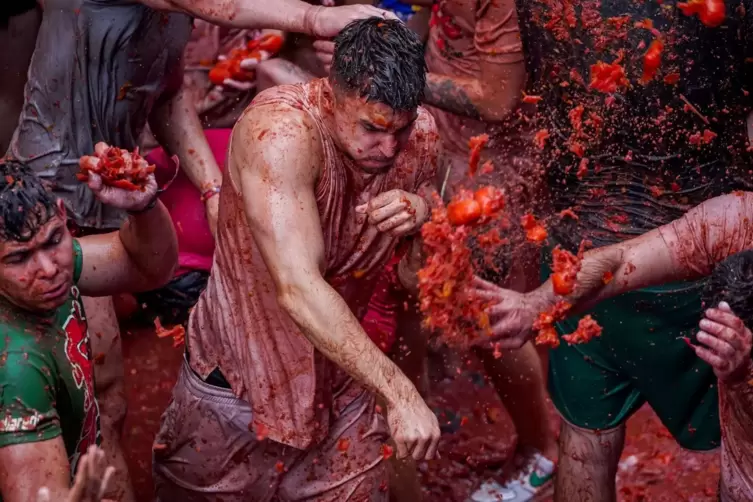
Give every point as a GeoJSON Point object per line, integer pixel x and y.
{"type": "Point", "coordinates": [118, 168]}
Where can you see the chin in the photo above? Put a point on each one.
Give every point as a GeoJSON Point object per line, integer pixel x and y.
{"type": "Point", "coordinates": [376, 166]}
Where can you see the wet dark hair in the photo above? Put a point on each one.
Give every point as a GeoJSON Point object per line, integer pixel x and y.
{"type": "Point", "coordinates": [25, 205]}
{"type": "Point", "coordinates": [732, 282]}
{"type": "Point", "coordinates": [380, 60]}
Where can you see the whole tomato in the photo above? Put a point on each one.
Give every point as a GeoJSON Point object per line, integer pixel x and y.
{"type": "Point", "coordinates": [464, 211]}
{"type": "Point", "coordinates": [713, 14]}
{"type": "Point", "coordinates": [490, 199]}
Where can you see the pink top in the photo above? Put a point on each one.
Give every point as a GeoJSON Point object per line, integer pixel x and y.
{"type": "Point", "coordinates": [701, 245]}
{"type": "Point", "coordinates": [182, 199]}
{"type": "Point", "coordinates": [238, 325]}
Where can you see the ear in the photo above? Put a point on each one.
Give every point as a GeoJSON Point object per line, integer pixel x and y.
{"type": "Point", "coordinates": [62, 211]}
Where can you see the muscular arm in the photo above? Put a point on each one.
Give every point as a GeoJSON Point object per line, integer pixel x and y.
{"type": "Point", "coordinates": [685, 249]}
{"type": "Point", "coordinates": [27, 467]}
{"type": "Point", "coordinates": [141, 256]}
{"type": "Point", "coordinates": [496, 92]}
{"type": "Point", "coordinates": [278, 176]}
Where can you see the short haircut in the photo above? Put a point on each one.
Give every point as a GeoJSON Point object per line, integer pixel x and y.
{"type": "Point", "coordinates": [732, 282]}
{"type": "Point", "coordinates": [25, 205]}
{"type": "Point", "coordinates": [381, 60]}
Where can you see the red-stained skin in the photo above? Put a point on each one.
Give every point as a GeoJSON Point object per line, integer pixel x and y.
{"type": "Point", "coordinates": [37, 275]}
{"type": "Point", "coordinates": [370, 133]}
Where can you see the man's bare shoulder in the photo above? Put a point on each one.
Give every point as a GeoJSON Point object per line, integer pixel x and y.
{"type": "Point", "coordinates": [425, 124]}
{"type": "Point", "coordinates": [279, 136]}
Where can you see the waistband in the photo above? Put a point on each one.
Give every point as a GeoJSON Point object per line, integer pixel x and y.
{"type": "Point", "coordinates": [201, 389]}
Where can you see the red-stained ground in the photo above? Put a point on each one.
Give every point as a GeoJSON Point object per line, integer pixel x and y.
{"type": "Point", "coordinates": [653, 468]}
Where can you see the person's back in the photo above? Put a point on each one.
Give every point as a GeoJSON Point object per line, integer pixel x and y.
{"type": "Point", "coordinates": [124, 54]}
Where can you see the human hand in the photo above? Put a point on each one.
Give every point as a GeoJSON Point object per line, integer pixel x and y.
{"type": "Point", "coordinates": [511, 314]}
{"type": "Point", "coordinates": [326, 22]}
{"type": "Point", "coordinates": [212, 207]}
{"type": "Point", "coordinates": [414, 427]}
{"type": "Point", "coordinates": [128, 200]}
{"type": "Point", "coordinates": [725, 343]}
{"type": "Point", "coordinates": [92, 481]}
{"type": "Point", "coordinates": [325, 52]}
{"type": "Point", "coordinates": [396, 212]}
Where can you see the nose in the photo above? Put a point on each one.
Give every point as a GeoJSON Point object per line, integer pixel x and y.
{"type": "Point", "coordinates": [389, 145]}
{"type": "Point", "coordinates": [47, 266]}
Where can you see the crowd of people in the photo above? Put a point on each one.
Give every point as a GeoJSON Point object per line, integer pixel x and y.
{"type": "Point", "coordinates": [295, 151]}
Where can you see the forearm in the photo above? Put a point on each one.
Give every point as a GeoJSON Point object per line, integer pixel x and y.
{"type": "Point", "coordinates": [286, 15]}
{"type": "Point", "coordinates": [470, 97]}
{"type": "Point", "coordinates": [327, 322]}
{"type": "Point", "coordinates": [612, 270]}
{"type": "Point", "coordinates": [151, 244]}
{"type": "Point", "coordinates": [176, 126]}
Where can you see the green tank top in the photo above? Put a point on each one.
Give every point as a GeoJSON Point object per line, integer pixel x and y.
{"type": "Point", "coordinates": [47, 377]}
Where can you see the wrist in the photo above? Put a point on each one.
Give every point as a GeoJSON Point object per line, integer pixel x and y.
{"type": "Point", "coordinates": [310, 16]}
{"type": "Point", "coordinates": [740, 375]}
{"type": "Point", "coordinates": [403, 391]}
{"type": "Point", "coordinates": [151, 205]}
{"type": "Point", "coordinates": [209, 193]}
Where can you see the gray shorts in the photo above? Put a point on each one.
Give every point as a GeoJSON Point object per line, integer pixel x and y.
{"type": "Point", "coordinates": [205, 452]}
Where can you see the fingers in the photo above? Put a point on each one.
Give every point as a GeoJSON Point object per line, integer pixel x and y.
{"type": "Point", "coordinates": [404, 229]}
{"type": "Point", "coordinates": [723, 333]}
{"type": "Point", "coordinates": [420, 449]}
{"type": "Point", "coordinates": [324, 46]}
{"type": "Point", "coordinates": [107, 481]}
{"type": "Point", "coordinates": [95, 182]}
{"type": "Point", "coordinates": [718, 345]}
{"type": "Point", "coordinates": [725, 318]}
{"type": "Point", "coordinates": [403, 448]}
{"type": "Point", "coordinates": [237, 85]}
{"type": "Point", "coordinates": [88, 162]}
{"type": "Point", "coordinates": [431, 452]}
{"type": "Point", "coordinates": [386, 213]}
{"type": "Point", "coordinates": [487, 286]}
{"type": "Point", "coordinates": [716, 362]}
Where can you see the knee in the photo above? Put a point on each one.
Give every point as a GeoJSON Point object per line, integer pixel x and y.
{"type": "Point", "coordinates": [588, 446]}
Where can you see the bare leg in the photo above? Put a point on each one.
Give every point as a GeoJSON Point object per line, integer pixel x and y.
{"type": "Point", "coordinates": [588, 464]}
{"type": "Point", "coordinates": [109, 386]}
{"type": "Point", "coordinates": [18, 40]}
{"type": "Point", "coordinates": [519, 380]}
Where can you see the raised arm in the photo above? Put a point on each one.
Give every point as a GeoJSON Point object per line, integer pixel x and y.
{"type": "Point", "coordinates": [286, 15]}
{"type": "Point", "coordinates": [685, 249]}
{"type": "Point", "coordinates": [278, 176]}
{"type": "Point", "coordinates": [175, 123]}
{"type": "Point", "coordinates": [141, 256]}
{"type": "Point", "coordinates": [497, 91]}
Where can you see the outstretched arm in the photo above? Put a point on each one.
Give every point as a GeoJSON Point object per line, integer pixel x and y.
{"type": "Point", "coordinates": [278, 176]}
{"type": "Point", "coordinates": [141, 256]}
{"type": "Point", "coordinates": [497, 90]}
{"type": "Point", "coordinates": [685, 249]}
{"type": "Point", "coordinates": [286, 15]}
{"type": "Point", "coordinates": [175, 123]}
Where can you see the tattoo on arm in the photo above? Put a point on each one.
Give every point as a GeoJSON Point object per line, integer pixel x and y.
{"type": "Point", "coordinates": [446, 94]}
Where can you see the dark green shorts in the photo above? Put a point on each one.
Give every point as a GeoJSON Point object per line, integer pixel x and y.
{"type": "Point", "coordinates": [639, 359]}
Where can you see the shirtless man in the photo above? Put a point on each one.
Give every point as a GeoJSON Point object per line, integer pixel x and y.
{"type": "Point", "coordinates": [50, 415]}
{"type": "Point", "coordinates": [685, 249]}
{"type": "Point", "coordinates": [85, 86]}
{"type": "Point", "coordinates": [324, 179]}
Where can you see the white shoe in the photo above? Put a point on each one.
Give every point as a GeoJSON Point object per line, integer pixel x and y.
{"type": "Point", "coordinates": [537, 472]}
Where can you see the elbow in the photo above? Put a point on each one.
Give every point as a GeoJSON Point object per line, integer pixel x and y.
{"type": "Point", "coordinates": [291, 297]}
{"type": "Point", "coordinates": [163, 270]}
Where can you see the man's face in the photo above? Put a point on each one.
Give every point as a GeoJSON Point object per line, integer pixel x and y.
{"type": "Point", "coordinates": [37, 275]}
{"type": "Point", "coordinates": [370, 133]}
